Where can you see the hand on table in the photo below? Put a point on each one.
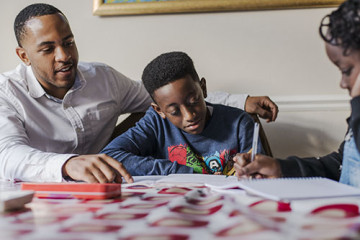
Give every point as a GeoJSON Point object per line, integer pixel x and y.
{"type": "Point", "coordinates": [98, 168]}
{"type": "Point", "coordinates": [263, 106]}
{"type": "Point", "coordinates": [262, 166]}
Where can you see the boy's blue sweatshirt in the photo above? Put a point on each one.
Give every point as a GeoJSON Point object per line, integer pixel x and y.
{"type": "Point", "coordinates": [156, 147]}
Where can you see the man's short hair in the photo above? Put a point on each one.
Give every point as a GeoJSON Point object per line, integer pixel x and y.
{"type": "Point", "coordinates": [33, 10]}
{"type": "Point", "coordinates": [166, 68]}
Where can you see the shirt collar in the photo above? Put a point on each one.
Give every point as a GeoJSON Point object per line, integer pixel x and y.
{"type": "Point", "coordinates": [210, 108]}
{"type": "Point", "coordinates": [35, 88]}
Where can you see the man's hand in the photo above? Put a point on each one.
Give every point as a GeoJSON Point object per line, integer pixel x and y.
{"type": "Point", "coordinates": [262, 166]}
{"type": "Point", "coordinates": [98, 168]}
{"type": "Point", "coordinates": [263, 106]}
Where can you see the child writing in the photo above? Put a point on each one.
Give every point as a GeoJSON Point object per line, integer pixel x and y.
{"type": "Point", "coordinates": [181, 133]}
{"type": "Point", "coordinates": [341, 32]}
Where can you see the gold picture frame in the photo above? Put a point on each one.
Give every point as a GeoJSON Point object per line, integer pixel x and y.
{"type": "Point", "coordinates": [187, 6]}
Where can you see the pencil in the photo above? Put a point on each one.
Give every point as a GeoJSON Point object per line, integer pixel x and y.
{"type": "Point", "coordinates": [231, 172]}
{"type": "Point", "coordinates": [255, 141]}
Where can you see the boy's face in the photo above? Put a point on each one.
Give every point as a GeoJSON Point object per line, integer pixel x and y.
{"type": "Point", "coordinates": [348, 65]}
{"type": "Point", "coordinates": [182, 103]}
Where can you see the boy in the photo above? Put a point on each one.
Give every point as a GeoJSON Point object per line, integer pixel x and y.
{"type": "Point", "coordinates": [181, 133]}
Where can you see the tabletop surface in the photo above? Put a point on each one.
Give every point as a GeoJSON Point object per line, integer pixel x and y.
{"type": "Point", "coordinates": [179, 211]}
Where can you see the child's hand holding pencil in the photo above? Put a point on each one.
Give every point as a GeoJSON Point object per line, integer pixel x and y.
{"type": "Point", "coordinates": [261, 167]}
{"type": "Point", "coordinates": [253, 150]}
{"type": "Point", "coordinates": [230, 170]}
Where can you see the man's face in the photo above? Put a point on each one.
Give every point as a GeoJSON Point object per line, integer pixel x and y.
{"type": "Point", "coordinates": [182, 103]}
{"type": "Point", "coordinates": [48, 46]}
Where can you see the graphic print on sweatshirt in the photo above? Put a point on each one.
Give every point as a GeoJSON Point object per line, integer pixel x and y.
{"type": "Point", "coordinates": [209, 164]}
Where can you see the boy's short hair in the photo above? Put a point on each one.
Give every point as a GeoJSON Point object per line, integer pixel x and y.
{"type": "Point", "coordinates": [33, 10]}
{"type": "Point", "coordinates": [166, 68]}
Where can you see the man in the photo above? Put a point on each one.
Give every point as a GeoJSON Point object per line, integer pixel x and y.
{"type": "Point", "coordinates": [55, 111]}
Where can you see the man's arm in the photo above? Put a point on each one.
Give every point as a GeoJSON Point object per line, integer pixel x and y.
{"type": "Point", "coordinates": [263, 105]}
{"type": "Point", "coordinates": [20, 161]}
{"type": "Point", "coordinates": [135, 150]}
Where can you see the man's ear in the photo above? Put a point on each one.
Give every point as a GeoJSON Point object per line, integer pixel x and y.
{"type": "Point", "coordinates": [158, 110]}
{"type": "Point", "coordinates": [23, 55]}
{"type": "Point", "coordinates": [203, 87]}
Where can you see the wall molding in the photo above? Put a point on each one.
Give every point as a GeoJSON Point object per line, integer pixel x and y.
{"type": "Point", "coordinates": [333, 102]}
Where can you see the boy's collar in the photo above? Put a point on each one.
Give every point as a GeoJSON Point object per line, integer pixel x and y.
{"type": "Point", "coordinates": [210, 109]}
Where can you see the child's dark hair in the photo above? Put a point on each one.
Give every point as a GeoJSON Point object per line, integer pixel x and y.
{"type": "Point", "coordinates": [342, 26]}
{"type": "Point", "coordinates": [33, 10]}
{"type": "Point", "coordinates": [167, 68]}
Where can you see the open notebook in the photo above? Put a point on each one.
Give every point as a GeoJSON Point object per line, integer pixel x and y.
{"type": "Point", "coordinates": [210, 180]}
{"type": "Point", "coordinates": [281, 189]}
{"type": "Point", "coordinates": [286, 189]}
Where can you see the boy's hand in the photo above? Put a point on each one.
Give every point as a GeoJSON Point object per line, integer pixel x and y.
{"type": "Point", "coordinates": [263, 106]}
{"type": "Point", "coordinates": [262, 166]}
{"type": "Point", "coordinates": [98, 168]}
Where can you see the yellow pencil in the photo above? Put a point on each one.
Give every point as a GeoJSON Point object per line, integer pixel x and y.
{"type": "Point", "coordinates": [231, 172]}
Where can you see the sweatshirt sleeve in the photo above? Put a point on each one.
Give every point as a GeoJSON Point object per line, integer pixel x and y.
{"type": "Point", "coordinates": [136, 149]}
{"type": "Point", "coordinates": [328, 166]}
{"type": "Point", "coordinates": [355, 120]}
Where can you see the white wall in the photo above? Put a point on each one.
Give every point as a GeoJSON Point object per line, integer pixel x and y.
{"type": "Point", "coordinates": [275, 53]}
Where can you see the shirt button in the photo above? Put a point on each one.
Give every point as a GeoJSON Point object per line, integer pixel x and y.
{"type": "Point", "coordinates": [78, 130]}
{"type": "Point", "coordinates": [66, 106]}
